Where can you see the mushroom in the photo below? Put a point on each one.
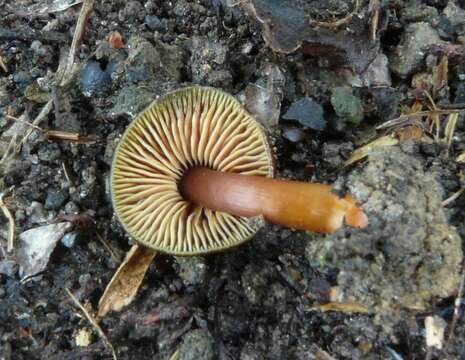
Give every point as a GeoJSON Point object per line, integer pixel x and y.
{"type": "Point", "coordinates": [193, 174]}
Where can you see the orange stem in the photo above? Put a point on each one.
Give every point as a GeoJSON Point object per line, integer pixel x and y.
{"type": "Point", "coordinates": [299, 205]}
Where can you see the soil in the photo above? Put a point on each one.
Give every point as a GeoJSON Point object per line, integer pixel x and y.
{"type": "Point", "coordinates": [260, 300]}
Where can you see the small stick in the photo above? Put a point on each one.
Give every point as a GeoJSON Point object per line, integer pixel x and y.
{"type": "Point", "coordinates": [24, 122]}
{"type": "Point", "coordinates": [42, 116]}
{"type": "Point", "coordinates": [11, 222]}
{"type": "Point", "coordinates": [176, 355]}
{"type": "Point", "coordinates": [30, 34]}
{"type": "Point", "coordinates": [418, 114]}
{"type": "Point", "coordinates": [337, 23]}
{"type": "Point", "coordinates": [3, 64]}
{"type": "Point", "coordinates": [107, 246]}
{"type": "Point", "coordinates": [81, 24]}
{"type": "Point", "coordinates": [65, 171]}
{"type": "Point", "coordinates": [94, 323]}
{"type": "Point", "coordinates": [453, 197]}
{"type": "Point", "coordinates": [457, 303]}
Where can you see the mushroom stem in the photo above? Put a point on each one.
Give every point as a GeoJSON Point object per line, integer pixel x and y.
{"type": "Point", "coordinates": [299, 205]}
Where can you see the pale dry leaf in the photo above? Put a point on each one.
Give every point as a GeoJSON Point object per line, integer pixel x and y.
{"type": "Point", "coordinates": [37, 244]}
{"type": "Point", "coordinates": [461, 157]}
{"type": "Point", "coordinates": [123, 287]}
{"type": "Point", "coordinates": [365, 150]}
{"type": "Point", "coordinates": [450, 129]}
{"type": "Point", "coordinates": [345, 307]}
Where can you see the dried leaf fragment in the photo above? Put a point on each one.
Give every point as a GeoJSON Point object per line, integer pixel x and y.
{"type": "Point", "coordinates": [345, 307]}
{"type": "Point", "coordinates": [365, 150]}
{"type": "Point", "coordinates": [123, 287]}
{"type": "Point", "coordinates": [37, 244]}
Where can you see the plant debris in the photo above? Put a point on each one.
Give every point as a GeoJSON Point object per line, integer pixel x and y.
{"type": "Point", "coordinates": [36, 246]}
{"type": "Point", "coordinates": [94, 323]}
{"type": "Point", "coordinates": [11, 223]}
{"type": "Point", "coordinates": [122, 288]}
{"type": "Point", "coordinates": [287, 28]}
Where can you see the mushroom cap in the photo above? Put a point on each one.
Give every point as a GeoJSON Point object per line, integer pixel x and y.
{"type": "Point", "coordinates": [194, 126]}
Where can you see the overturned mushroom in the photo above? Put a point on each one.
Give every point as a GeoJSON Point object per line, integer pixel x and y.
{"type": "Point", "coordinates": [193, 174]}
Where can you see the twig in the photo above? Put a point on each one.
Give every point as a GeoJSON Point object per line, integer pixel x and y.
{"type": "Point", "coordinates": [81, 24]}
{"type": "Point", "coordinates": [11, 222]}
{"type": "Point", "coordinates": [457, 303]}
{"type": "Point", "coordinates": [418, 114]}
{"type": "Point", "coordinates": [373, 8]}
{"type": "Point", "coordinates": [337, 23]}
{"type": "Point", "coordinates": [3, 64]}
{"type": "Point", "coordinates": [30, 34]}
{"type": "Point", "coordinates": [24, 122]}
{"type": "Point", "coordinates": [453, 197]}
{"type": "Point", "coordinates": [107, 246]}
{"type": "Point", "coordinates": [42, 116]}
{"type": "Point", "coordinates": [94, 323]}
{"type": "Point", "coordinates": [65, 171]}
{"type": "Point", "coordinates": [176, 355]}
{"type": "Point", "coordinates": [320, 354]}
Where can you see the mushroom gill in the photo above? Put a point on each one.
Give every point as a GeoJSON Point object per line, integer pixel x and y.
{"type": "Point", "coordinates": [188, 128]}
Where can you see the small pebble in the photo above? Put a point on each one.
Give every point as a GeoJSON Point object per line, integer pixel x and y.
{"type": "Point", "coordinates": [308, 113]}
{"type": "Point", "coordinates": [55, 199]}
{"type": "Point", "coordinates": [69, 239]}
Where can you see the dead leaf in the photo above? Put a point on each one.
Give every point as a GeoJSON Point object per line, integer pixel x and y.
{"type": "Point", "coordinates": [450, 129]}
{"type": "Point", "coordinates": [347, 307]}
{"type": "Point", "coordinates": [36, 246]}
{"type": "Point", "coordinates": [461, 157]}
{"type": "Point", "coordinates": [3, 64]}
{"type": "Point", "coordinates": [54, 6]}
{"type": "Point", "coordinates": [365, 150]}
{"type": "Point", "coordinates": [123, 287]}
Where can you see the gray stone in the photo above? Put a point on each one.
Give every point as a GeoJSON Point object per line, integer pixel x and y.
{"type": "Point", "coordinates": [149, 62]}
{"type": "Point", "coordinates": [293, 134]}
{"type": "Point", "coordinates": [263, 99]}
{"type": "Point", "coordinates": [306, 112]}
{"type": "Point", "coordinates": [154, 23]}
{"type": "Point", "coordinates": [132, 9]}
{"type": "Point", "coordinates": [71, 208]}
{"type": "Point", "coordinates": [8, 267]}
{"type": "Point", "coordinates": [55, 199]}
{"type": "Point", "coordinates": [409, 54]}
{"type": "Point", "coordinates": [209, 57]}
{"type": "Point", "coordinates": [455, 14]}
{"type": "Point", "coordinates": [414, 11]}
{"type": "Point", "coordinates": [377, 74]}
{"type": "Point", "coordinates": [347, 106]}
{"type": "Point", "coordinates": [198, 345]}
{"type": "Point", "coordinates": [130, 101]}
{"type": "Point", "coordinates": [94, 79]}
{"type": "Point", "coordinates": [192, 270]}
{"type": "Point", "coordinates": [69, 239]}
{"type": "Point", "coordinates": [36, 213]}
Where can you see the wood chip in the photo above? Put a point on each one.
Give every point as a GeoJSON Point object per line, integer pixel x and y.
{"type": "Point", "coordinates": [435, 327]}
{"type": "Point", "coordinates": [123, 287]}
{"type": "Point", "coordinates": [347, 307]}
